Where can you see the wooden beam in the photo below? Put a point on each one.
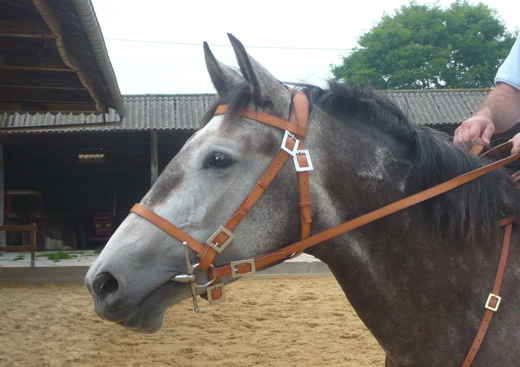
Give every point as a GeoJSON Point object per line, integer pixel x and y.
{"type": "Point", "coordinates": [29, 52]}
{"type": "Point", "coordinates": [35, 60]}
{"type": "Point", "coordinates": [39, 79]}
{"type": "Point", "coordinates": [36, 68]}
{"type": "Point", "coordinates": [51, 18]}
{"type": "Point", "coordinates": [19, 227]}
{"type": "Point", "coordinates": [51, 87]}
{"type": "Point", "coordinates": [35, 95]}
{"type": "Point", "coordinates": [21, 28]}
{"type": "Point", "coordinates": [47, 107]}
{"type": "Point", "coordinates": [26, 46]}
{"type": "Point", "coordinates": [24, 5]}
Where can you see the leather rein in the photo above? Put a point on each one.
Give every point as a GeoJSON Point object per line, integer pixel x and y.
{"type": "Point", "coordinates": [293, 147]}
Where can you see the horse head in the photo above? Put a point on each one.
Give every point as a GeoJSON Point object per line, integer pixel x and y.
{"type": "Point", "coordinates": [199, 190]}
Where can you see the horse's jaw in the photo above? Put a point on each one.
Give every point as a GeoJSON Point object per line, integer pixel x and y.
{"type": "Point", "coordinates": [147, 315]}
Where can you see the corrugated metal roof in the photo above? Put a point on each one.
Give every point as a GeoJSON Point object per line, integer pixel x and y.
{"type": "Point", "coordinates": [438, 106]}
{"type": "Point", "coordinates": [171, 112]}
{"type": "Point", "coordinates": [143, 112]}
{"type": "Point", "coordinates": [87, 16]}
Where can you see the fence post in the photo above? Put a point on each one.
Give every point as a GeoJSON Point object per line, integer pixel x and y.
{"type": "Point", "coordinates": [31, 247]}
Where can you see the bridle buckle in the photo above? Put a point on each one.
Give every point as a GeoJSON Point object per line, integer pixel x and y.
{"type": "Point", "coordinates": [493, 302]}
{"type": "Point", "coordinates": [215, 293]}
{"type": "Point", "coordinates": [219, 247]}
{"type": "Point", "coordinates": [238, 266]}
{"type": "Point", "coordinates": [302, 166]}
{"type": "Point", "coordinates": [290, 143]}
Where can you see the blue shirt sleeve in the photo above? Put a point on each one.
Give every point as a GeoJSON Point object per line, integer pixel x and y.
{"type": "Point", "coordinates": [509, 71]}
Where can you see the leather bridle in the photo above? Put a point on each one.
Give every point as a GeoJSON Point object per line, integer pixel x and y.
{"type": "Point", "coordinates": [293, 147]}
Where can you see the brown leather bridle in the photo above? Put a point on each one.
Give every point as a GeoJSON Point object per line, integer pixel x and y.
{"type": "Point", "coordinates": [293, 146]}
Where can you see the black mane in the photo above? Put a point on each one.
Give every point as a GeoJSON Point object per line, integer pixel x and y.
{"type": "Point", "coordinates": [470, 211]}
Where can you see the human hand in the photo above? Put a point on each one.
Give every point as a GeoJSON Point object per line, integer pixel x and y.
{"type": "Point", "coordinates": [516, 144]}
{"type": "Point", "coordinates": [476, 130]}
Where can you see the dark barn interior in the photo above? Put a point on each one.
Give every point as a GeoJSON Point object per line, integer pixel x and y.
{"type": "Point", "coordinates": [87, 182]}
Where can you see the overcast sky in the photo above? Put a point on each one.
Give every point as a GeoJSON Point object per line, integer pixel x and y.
{"type": "Point", "coordinates": [156, 45]}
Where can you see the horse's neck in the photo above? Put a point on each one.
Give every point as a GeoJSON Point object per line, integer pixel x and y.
{"type": "Point", "coordinates": [413, 290]}
{"type": "Point", "coordinates": [410, 285]}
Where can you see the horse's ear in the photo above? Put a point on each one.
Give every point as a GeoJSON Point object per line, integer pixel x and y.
{"type": "Point", "coordinates": [267, 90]}
{"type": "Point", "coordinates": [223, 77]}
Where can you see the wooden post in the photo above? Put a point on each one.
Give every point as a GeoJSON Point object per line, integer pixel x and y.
{"type": "Point", "coordinates": [34, 244]}
{"type": "Point", "coordinates": [154, 156]}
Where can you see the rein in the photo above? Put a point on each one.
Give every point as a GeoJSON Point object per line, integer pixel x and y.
{"type": "Point", "coordinates": [293, 146]}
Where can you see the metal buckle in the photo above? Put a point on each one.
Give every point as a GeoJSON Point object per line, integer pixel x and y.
{"type": "Point", "coordinates": [284, 147]}
{"type": "Point", "coordinates": [220, 247]}
{"type": "Point", "coordinates": [497, 299]}
{"type": "Point", "coordinates": [234, 267]}
{"type": "Point", "coordinates": [209, 293]}
{"type": "Point", "coordinates": [297, 166]}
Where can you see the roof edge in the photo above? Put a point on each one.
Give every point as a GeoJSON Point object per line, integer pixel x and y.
{"type": "Point", "coordinates": [92, 28]}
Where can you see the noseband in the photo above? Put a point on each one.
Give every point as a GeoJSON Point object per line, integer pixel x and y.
{"type": "Point", "coordinates": [293, 146]}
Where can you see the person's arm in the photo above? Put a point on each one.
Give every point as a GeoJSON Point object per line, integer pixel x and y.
{"type": "Point", "coordinates": [499, 112]}
{"type": "Point", "coordinates": [501, 108]}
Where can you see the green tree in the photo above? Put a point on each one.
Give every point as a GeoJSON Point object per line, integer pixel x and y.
{"type": "Point", "coordinates": [425, 46]}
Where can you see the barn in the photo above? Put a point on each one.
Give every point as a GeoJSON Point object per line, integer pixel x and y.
{"type": "Point", "coordinates": [90, 173]}
{"type": "Point", "coordinates": [53, 62]}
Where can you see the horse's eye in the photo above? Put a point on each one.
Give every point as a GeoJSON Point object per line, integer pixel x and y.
{"type": "Point", "coordinates": [218, 160]}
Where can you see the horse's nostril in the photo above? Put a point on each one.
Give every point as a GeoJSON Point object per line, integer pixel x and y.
{"type": "Point", "coordinates": [105, 284]}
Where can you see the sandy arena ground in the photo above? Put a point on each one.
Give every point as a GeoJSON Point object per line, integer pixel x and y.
{"type": "Point", "coordinates": [300, 322]}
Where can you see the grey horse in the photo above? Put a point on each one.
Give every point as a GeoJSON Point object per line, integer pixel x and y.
{"type": "Point", "coordinates": [418, 279]}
